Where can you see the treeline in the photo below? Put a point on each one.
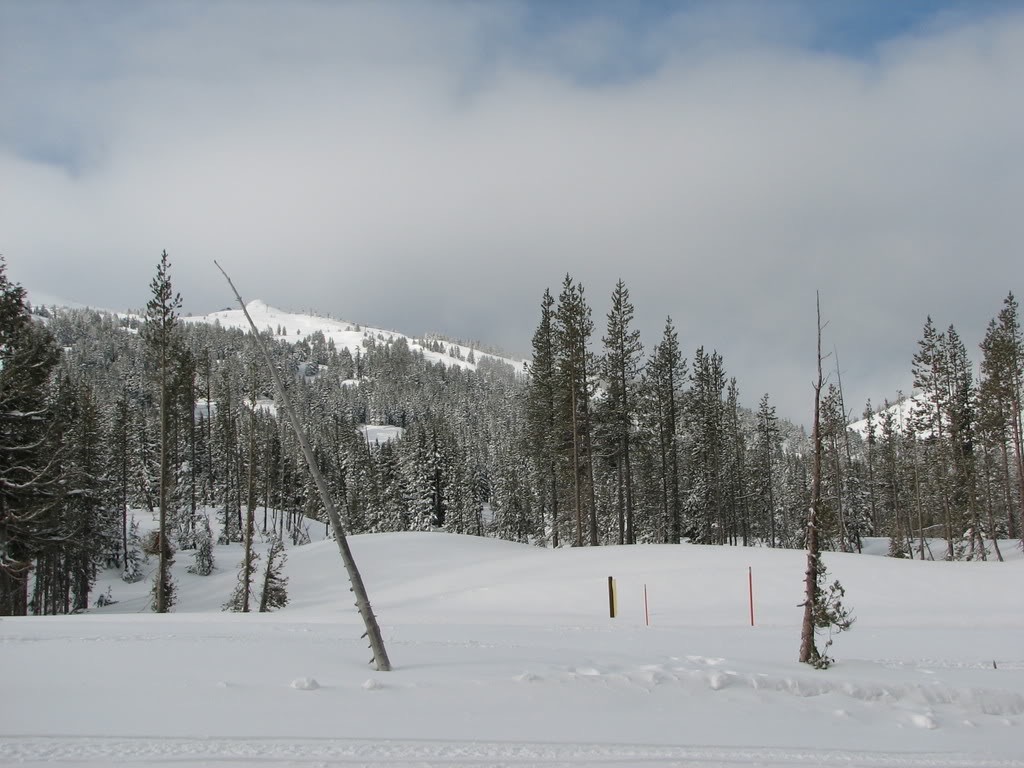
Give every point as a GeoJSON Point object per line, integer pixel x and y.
{"type": "Point", "coordinates": [949, 462]}
{"type": "Point", "coordinates": [625, 447]}
{"type": "Point", "coordinates": [102, 416]}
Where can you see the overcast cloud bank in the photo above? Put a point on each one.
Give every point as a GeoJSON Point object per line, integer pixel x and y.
{"type": "Point", "coordinates": [434, 166]}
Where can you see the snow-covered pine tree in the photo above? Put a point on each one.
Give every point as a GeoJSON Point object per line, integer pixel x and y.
{"type": "Point", "coordinates": [132, 571]}
{"type": "Point", "coordinates": [735, 501]}
{"type": "Point", "coordinates": [620, 366]}
{"type": "Point", "coordinates": [275, 584]}
{"type": "Point", "coordinates": [666, 373]}
{"type": "Point", "coordinates": [543, 441]}
{"type": "Point", "coordinates": [118, 464]}
{"type": "Point", "coordinates": [574, 368]}
{"type": "Point", "coordinates": [242, 596]}
{"type": "Point", "coordinates": [999, 416]}
{"type": "Point", "coordinates": [160, 333]}
{"type": "Point", "coordinates": [706, 413]}
{"type": "Point", "coordinates": [27, 356]}
{"type": "Point", "coordinates": [764, 473]}
{"type": "Point", "coordinates": [203, 557]}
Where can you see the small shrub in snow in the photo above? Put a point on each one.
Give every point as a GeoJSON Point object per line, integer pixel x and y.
{"type": "Point", "coordinates": [275, 584]}
{"type": "Point", "coordinates": [151, 545]}
{"type": "Point", "coordinates": [830, 617]}
{"type": "Point", "coordinates": [241, 598]}
{"type": "Point", "coordinates": [203, 555]}
{"type": "Point", "coordinates": [133, 557]}
{"type": "Point", "coordinates": [169, 586]}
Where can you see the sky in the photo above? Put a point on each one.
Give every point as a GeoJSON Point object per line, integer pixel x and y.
{"type": "Point", "coordinates": [434, 166]}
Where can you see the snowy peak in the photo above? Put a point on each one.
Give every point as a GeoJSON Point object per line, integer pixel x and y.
{"type": "Point", "coordinates": [902, 411]}
{"type": "Point", "coordinates": [296, 326]}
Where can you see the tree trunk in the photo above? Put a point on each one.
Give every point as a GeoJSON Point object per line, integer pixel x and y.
{"type": "Point", "coordinates": [577, 491]}
{"type": "Point", "coordinates": [161, 591]}
{"type": "Point", "coordinates": [373, 633]}
{"type": "Point", "coordinates": [630, 533]}
{"type": "Point", "coordinates": [807, 648]}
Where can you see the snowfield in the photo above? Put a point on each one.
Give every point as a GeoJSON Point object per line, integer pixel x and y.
{"type": "Point", "coordinates": [504, 654]}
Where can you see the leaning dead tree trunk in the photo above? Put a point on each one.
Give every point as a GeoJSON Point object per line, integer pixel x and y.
{"type": "Point", "coordinates": [380, 655]}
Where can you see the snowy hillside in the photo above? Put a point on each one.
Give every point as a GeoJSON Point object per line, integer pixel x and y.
{"type": "Point", "coordinates": [901, 412]}
{"type": "Point", "coordinates": [504, 654]}
{"type": "Point", "coordinates": [296, 326]}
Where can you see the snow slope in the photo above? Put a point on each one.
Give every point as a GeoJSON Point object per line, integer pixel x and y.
{"type": "Point", "coordinates": [902, 411]}
{"type": "Point", "coordinates": [344, 334]}
{"type": "Point", "coordinates": [504, 654]}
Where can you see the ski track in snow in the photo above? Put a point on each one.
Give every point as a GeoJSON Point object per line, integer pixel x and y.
{"type": "Point", "coordinates": [194, 753]}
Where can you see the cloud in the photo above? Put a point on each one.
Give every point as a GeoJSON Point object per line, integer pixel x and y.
{"type": "Point", "coordinates": [436, 166]}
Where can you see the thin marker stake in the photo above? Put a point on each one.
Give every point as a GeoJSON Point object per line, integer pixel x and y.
{"type": "Point", "coordinates": [750, 589]}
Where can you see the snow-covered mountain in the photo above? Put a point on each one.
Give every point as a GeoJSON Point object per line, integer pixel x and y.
{"type": "Point", "coordinates": [294, 326]}
{"type": "Point", "coordinates": [901, 411]}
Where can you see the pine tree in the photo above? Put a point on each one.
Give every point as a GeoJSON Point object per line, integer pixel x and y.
{"type": "Point", "coordinates": [767, 444]}
{"type": "Point", "coordinates": [870, 467]}
{"type": "Point", "coordinates": [666, 372]}
{"type": "Point", "coordinates": [622, 350]}
{"type": "Point", "coordinates": [275, 584]}
{"type": "Point", "coordinates": [574, 366]}
{"type": "Point", "coordinates": [241, 596]}
{"type": "Point", "coordinates": [1002, 392]}
{"type": "Point", "coordinates": [27, 357]}
{"type": "Point", "coordinates": [119, 463]}
{"type": "Point", "coordinates": [834, 524]}
{"type": "Point", "coordinates": [707, 453]}
{"type": "Point", "coordinates": [736, 511]}
{"type": "Point", "coordinates": [203, 555]}
{"type": "Point", "coordinates": [160, 333]}
{"type": "Point", "coordinates": [962, 434]}
{"type": "Point", "coordinates": [66, 572]}
{"type": "Point", "coordinates": [542, 415]}
{"type": "Point", "coordinates": [131, 572]}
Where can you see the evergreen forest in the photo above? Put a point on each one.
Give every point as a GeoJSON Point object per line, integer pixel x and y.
{"type": "Point", "coordinates": [108, 417]}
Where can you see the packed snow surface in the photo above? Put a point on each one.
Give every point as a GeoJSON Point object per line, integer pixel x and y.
{"type": "Point", "coordinates": [504, 654]}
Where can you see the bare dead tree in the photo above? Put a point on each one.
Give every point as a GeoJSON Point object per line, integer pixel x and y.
{"type": "Point", "coordinates": [807, 649]}
{"type": "Point", "coordinates": [380, 656]}
{"type": "Point", "coordinates": [822, 609]}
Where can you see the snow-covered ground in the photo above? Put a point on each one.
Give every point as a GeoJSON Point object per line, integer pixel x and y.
{"type": "Point", "coordinates": [504, 654]}
{"type": "Point", "coordinates": [377, 433]}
